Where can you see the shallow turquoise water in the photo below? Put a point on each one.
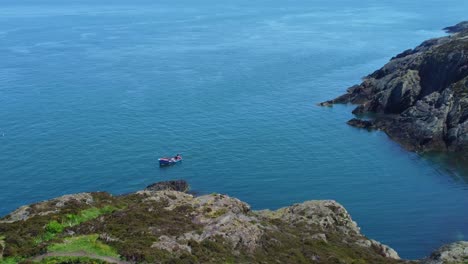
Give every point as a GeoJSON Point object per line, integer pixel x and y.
{"type": "Point", "coordinates": [91, 95]}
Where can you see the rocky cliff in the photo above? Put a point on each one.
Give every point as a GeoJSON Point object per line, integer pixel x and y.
{"type": "Point", "coordinates": [419, 98]}
{"type": "Point", "coordinates": [163, 224]}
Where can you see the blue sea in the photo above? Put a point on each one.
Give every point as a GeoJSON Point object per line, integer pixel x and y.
{"type": "Point", "coordinates": [93, 92]}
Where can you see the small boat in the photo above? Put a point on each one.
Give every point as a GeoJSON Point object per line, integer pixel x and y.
{"type": "Point", "coordinates": [170, 161]}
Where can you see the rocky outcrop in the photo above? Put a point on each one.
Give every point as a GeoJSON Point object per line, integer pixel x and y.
{"type": "Point", "coordinates": [457, 28]}
{"type": "Point", "coordinates": [160, 225]}
{"type": "Point", "coordinates": [176, 185]}
{"type": "Point", "coordinates": [220, 216]}
{"type": "Point", "coordinates": [419, 98]}
{"type": "Point", "coordinates": [327, 215]}
{"type": "Point", "coordinates": [232, 220]}
{"type": "Point", "coordinates": [451, 253]}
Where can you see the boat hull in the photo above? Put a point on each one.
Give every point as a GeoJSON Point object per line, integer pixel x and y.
{"type": "Point", "coordinates": [168, 161]}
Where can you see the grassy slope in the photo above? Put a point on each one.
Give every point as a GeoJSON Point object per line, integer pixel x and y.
{"type": "Point", "coordinates": [86, 243]}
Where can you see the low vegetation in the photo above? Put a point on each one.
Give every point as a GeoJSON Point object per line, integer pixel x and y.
{"type": "Point", "coordinates": [10, 260]}
{"type": "Point", "coordinates": [53, 228]}
{"type": "Point", "coordinates": [71, 260]}
{"type": "Point", "coordinates": [296, 244]}
{"type": "Point", "coordinates": [47, 225]}
{"type": "Point", "coordinates": [129, 226]}
{"type": "Point", "coordinates": [88, 244]}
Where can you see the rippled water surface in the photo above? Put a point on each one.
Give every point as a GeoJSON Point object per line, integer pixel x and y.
{"type": "Point", "coordinates": [91, 94]}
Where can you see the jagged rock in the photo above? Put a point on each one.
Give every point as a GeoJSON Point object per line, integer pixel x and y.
{"type": "Point", "coordinates": [215, 228]}
{"type": "Point", "coordinates": [86, 198]}
{"type": "Point", "coordinates": [382, 249]}
{"type": "Point", "coordinates": [19, 214]}
{"type": "Point", "coordinates": [361, 123]}
{"type": "Point", "coordinates": [385, 250]}
{"type": "Point", "coordinates": [176, 185]}
{"type": "Point", "coordinates": [451, 253]}
{"type": "Point", "coordinates": [107, 238]}
{"type": "Point", "coordinates": [220, 215]}
{"type": "Point", "coordinates": [327, 103]}
{"type": "Point", "coordinates": [457, 28]}
{"type": "Point", "coordinates": [172, 199]}
{"type": "Point", "coordinates": [171, 244]}
{"type": "Point", "coordinates": [229, 218]}
{"type": "Point", "coordinates": [320, 236]}
{"type": "Point", "coordinates": [420, 96]}
{"type": "Point", "coordinates": [328, 215]}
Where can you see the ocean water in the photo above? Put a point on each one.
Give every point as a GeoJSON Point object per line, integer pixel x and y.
{"type": "Point", "coordinates": [93, 92]}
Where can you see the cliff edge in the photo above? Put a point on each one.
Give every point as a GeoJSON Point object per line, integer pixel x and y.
{"type": "Point", "coordinates": [420, 97]}
{"type": "Point", "coordinates": [164, 224]}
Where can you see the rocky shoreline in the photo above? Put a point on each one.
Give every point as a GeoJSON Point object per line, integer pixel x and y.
{"type": "Point", "coordinates": [420, 97]}
{"type": "Point", "coordinates": [165, 224]}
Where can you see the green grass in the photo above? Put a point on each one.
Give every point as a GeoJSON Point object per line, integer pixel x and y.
{"type": "Point", "coordinates": [86, 215]}
{"type": "Point", "coordinates": [53, 228]}
{"type": "Point", "coordinates": [217, 213]}
{"type": "Point", "coordinates": [10, 260]}
{"type": "Point", "coordinates": [87, 243]}
{"type": "Point", "coordinates": [71, 260]}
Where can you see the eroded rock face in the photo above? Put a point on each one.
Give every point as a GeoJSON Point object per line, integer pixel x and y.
{"type": "Point", "coordinates": [228, 218]}
{"type": "Point", "coordinates": [420, 96]}
{"type": "Point", "coordinates": [382, 249]}
{"type": "Point", "coordinates": [451, 253]}
{"type": "Point", "coordinates": [327, 214]}
{"type": "Point", "coordinates": [216, 228]}
{"type": "Point", "coordinates": [219, 215]}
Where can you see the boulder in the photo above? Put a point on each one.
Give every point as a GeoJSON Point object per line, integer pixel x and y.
{"type": "Point", "coordinates": [176, 185]}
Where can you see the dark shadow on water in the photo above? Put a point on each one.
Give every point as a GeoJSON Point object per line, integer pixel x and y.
{"type": "Point", "coordinates": [452, 164]}
{"type": "Point", "coordinates": [172, 166]}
